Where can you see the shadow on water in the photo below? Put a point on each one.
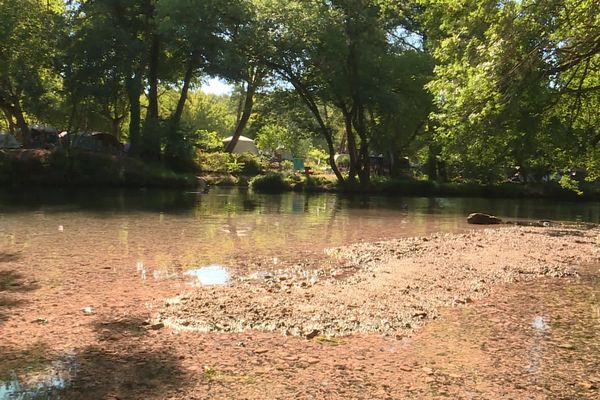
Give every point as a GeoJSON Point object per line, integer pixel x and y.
{"type": "Point", "coordinates": [11, 283]}
{"type": "Point", "coordinates": [125, 374]}
{"type": "Point", "coordinates": [32, 373]}
{"type": "Point", "coordinates": [6, 257]}
{"type": "Point", "coordinates": [126, 364]}
{"type": "Point", "coordinates": [123, 366]}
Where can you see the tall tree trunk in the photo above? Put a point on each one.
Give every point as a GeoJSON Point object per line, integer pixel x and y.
{"type": "Point", "coordinates": [244, 118]}
{"type": "Point", "coordinates": [72, 114]}
{"type": "Point", "coordinates": [134, 91]}
{"type": "Point", "coordinates": [310, 102]}
{"type": "Point", "coordinates": [153, 79]}
{"type": "Point", "coordinates": [432, 162]}
{"type": "Point", "coordinates": [22, 124]}
{"type": "Point", "coordinates": [175, 154]}
{"type": "Point", "coordinates": [364, 171]}
{"type": "Point", "coordinates": [314, 109]}
{"type": "Point", "coordinates": [351, 140]}
{"type": "Point", "coordinates": [255, 77]}
{"type": "Point", "coordinates": [187, 80]}
{"type": "Point", "coordinates": [9, 120]}
{"type": "Point", "coordinates": [152, 129]}
{"type": "Point", "coordinates": [115, 127]}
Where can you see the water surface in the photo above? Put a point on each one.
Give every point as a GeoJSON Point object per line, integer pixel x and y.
{"type": "Point", "coordinates": [174, 231]}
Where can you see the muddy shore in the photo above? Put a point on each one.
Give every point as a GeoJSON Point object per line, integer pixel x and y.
{"type": "Point", "coordinates": [508, 312]}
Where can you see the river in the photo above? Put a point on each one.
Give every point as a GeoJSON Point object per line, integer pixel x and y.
{"type": "Point", "coordinates": [165, 228]}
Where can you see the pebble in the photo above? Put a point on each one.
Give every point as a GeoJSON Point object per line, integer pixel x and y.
{"type": "Point", "coordinates": [88, 310]}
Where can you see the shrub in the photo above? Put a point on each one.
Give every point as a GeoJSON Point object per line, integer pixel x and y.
{"type": "Point", "coordinates": [252, 164]}
{"type": "Point", "coordinates": [270, 183]}
{"type": "Point", "coordinates": [238, 164]}
{"type": "Point", "coordinates": [208, 140]}
{"type": "Point", "coordinates": [213, 162]}
{"type": "Point", "coordinates": [83, 168]}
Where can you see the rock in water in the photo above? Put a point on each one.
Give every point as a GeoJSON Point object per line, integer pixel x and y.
{"type": "Point", "coordinates": [483, 219]}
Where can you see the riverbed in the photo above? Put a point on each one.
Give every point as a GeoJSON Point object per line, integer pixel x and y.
{"type": "Point", "coordinates": [90, 284]}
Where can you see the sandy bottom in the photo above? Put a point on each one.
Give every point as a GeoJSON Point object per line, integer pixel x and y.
{"type": "Point", "coordinates": [512, 312]}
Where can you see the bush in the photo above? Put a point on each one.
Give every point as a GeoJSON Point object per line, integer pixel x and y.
{"type": "Point", "coordinates": [237, 164]}
{"type": "Point", "coordinates": [270, 183]}
{"type": "Point", "coordinates": [252, 164]}
{"type": "Point", "coordinates": [82, 168]}
{"type": "Point", "coordinates": [208, 140]}
{"type": "Point", "coordinates": [213, 162]}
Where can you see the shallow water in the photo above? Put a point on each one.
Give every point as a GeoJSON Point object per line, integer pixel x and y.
{"type": "Point", "coordinates": [210, 275]}
{"type": "Point", "coordinates": [117, 240]}
{"type": "Point", "coordinates": [41, 382]}
{"type": "Point", "coordinates": [171, 232]}
{"type": "Point", "coordinates": [534, 340]}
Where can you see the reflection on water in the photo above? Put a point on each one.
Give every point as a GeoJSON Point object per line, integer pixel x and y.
{"type": "Point", "coordinates": [166, 232]}
{"type": "Point", "coordinates": [210, 275]}
{"type": "Point", "coordinates": [42, 384]}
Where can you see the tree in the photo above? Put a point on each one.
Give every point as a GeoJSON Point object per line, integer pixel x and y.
{"type": "Point", "coordinates": [30, 30]}
{"type": "Point", "coordinates": [516, 82]}
{"type": "Point", "coordinates": [106, 62]}
{"type": "Point", "coordinates": [342, 53]}
{"type": "Point", "coordinates": [200, 35]}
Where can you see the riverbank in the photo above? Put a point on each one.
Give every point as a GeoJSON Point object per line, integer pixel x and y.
{"type": "Point", "coordinates": [73, 169]}
{"type": "Point", "coordinates": [509, 312]}
{"type": "Point", "coordinates": [421, 188]}
{"type": "Point", "coordinates": [38, 167]}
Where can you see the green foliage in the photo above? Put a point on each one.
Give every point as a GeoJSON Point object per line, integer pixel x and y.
{"type": "Point", "coordinates": [212, 162]}
{"type": "Point", "coordinates": [272, 138]}
{"type": "Point", "coordinates": [252, 164]}
{"type": "Point", "coordinates": [316, 159]}
{"type": "Point", "coordinates": [569, 183]}
{"type": "Point", "coordinates": [29, 49]}
{"type": "Point", "coordinates": [208, 112]}
{"type": "Point", "coordinates": [208, 140]}
{"type": "Point", "coordinates": [515, 82]}
{"type": "Point", "coordinates": [232, 163]}
{"type": "Point", "coordinates": [477, 87]}
{"type": "Point", "coordinates": [81, 168]}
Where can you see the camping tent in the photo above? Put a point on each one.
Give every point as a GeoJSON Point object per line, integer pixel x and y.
{"type": "Point", "coordinates": [243, 145]}
{"type": "Point", "coordinates": [8, 141]}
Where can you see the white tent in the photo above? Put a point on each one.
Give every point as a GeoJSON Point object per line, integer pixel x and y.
{"type": "Point", "coordinates": [8, 141]}
{"type": "Point", "coordinates": [243, 145]}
